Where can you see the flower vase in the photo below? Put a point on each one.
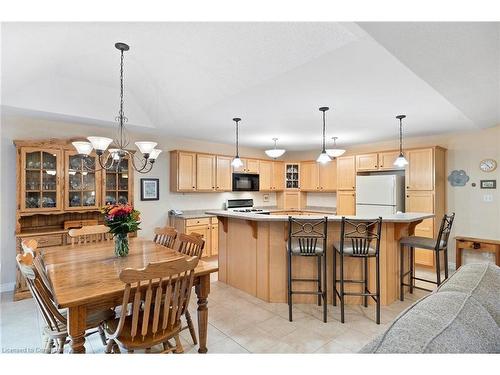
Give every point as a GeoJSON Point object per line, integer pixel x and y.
{"type": "Point", "coordinates": [121, 244]}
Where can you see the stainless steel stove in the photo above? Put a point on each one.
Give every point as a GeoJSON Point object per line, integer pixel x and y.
{"type": "Point", "coordinates": [244, 205]}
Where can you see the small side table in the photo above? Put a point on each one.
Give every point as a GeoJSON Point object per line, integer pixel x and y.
{"type": "Point", "coordinates": [476, 244]}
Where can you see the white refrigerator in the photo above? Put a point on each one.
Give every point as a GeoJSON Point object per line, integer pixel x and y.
{"type": "Point", "coordinates": [379, 195]}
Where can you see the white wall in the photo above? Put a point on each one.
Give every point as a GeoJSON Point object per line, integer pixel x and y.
{"type": "Point", "coordinates": [153, 213]}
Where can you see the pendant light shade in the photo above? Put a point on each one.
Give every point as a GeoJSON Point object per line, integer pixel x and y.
{"type": "Point", "coordinates": [237, 162]}
{"type": "Point", "coordinates": [275, 152]}
{"type": "Point", "coordinates": [401, 161]}
{"type": "Point", "coordinates": [323, 157]}
{"type": "Point", "coordinates": [82, 147]}
{"type": "Point", "coordinates": [335, 152]}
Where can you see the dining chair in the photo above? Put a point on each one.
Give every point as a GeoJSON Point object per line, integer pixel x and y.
{"type": "Point", "coordinates": [159, 292]}
{"type": "Point", "coordinates": [29, 246]}
{"type": "Point", "coordinates": [89, 234]}
{"type": "Point", "coordinates": [165, 236]}
{"type": "Point", "coordinates": [192, 245]}
{"type": "Point", "coordinates": [56, 330]}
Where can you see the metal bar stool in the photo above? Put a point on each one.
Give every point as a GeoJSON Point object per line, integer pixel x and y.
{"type": "Point", "coordinates": [358, 239]}
{"type": "Point", "coordinates": [433, 244]}
{"type": "Point", "coordinates": [303, 237]}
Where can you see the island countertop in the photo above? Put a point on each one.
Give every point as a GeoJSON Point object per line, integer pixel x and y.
{"type": "Point", "coordinates": [407, 217]}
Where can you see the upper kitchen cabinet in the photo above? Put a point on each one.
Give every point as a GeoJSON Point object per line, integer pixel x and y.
{"type": "Point", "coordinates": [292, 175]}
{"type": "Point", "coordinates": [278, 175]}
{"type": "Point", "coordinates": [328, 176]}
{"type": "Point", "coordinates": [248, 166]}
{"type": "Point", "coordinates": [346, 173]}
{"type": "Point", "coordinates": [40, 171]}
{"type": "Point", "coordinates": [182, 171]}
{"type": "Point", "coordinates": [318, 177]}
{"type": "Point", "coordinates": [205, 172]}
{"type": "Point", "coordinates": [367, 162]}
{"type": "Point", "coordinates": [271, 175]}
{"type": "Point", "coordinates": [224, 180]}
{"type": "Point", "coordinates": [420, 169]}
{"type": "Point", "coordinates": [118, 184]}
{"type": "Point", "coordinates": [386, 161]}
{"type": "Point", "coordinates": [82, 183]}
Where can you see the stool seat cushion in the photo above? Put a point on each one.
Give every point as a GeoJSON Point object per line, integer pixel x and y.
{"type": "Point", "coordinates": [349, 250]}
{"type": "Point", "coordinates": [421, 242]}
{"type": "Point", "coordinates": [297, 251]}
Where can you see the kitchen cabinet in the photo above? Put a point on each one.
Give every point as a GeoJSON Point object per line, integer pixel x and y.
{"type": "Point", "coordinates": [207, 227]}
{"type": "Point", "coordinates": [248, 166]}
{"type": "Point", "coordinates": [346, 173]}
{"type": "Point", "coordinates": [367, 162]}
{"type": "Point", "coordinates": [292, 175]}
{"type": "Point", "coordinates": [204, 231]}
{"type": "Point", "coordinates": [278, 175]}
{"type": "Point", "coordinates": [318, 177]}
{"type": "Point", "coordinates": [214, 236]}
{"type": "Point", "coordinates": [386, 161]}
{"type": "Point", "coordinates": [420, 169]}
{"type": "Point", "coordinates": [328, 176]}
{"type": "Point", "coordinates": [346, 202]}
{"type": "Point", "coordinates": [271, 175]}
{"type": "Point", "coordinates": [117, 184]}
{"type": "Point", "coordinates": [290, 200]}
{"type": "Point", "coordinates": [224, 178]}
{"type": "Point", "coordinates": [182, 171]}
{"type": "Point", "coordinates": [40, 172]}
{"type": "Point", "coordinates": [422, 201]}
{"type": "Point", "coordinates": [82, 186]}
{"type": "Point", "coordinates": [205, 172]}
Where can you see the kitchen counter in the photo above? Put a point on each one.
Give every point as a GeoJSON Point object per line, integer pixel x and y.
{"type": "Point", "coordinates": [252, 255]}
{"type": "Point", "coordinates": [193, 214]}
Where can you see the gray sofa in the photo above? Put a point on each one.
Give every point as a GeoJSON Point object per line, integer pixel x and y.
{"type": "Point", "coordinates": [461, 316]}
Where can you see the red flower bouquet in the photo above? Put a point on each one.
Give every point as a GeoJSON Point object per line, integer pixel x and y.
{"type": "Point", "coordinates": [121, 220]}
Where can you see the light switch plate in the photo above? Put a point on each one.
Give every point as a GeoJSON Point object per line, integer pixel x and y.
{"type": "Point", "coordinates": [488, 198]}
{"type": "Point", "coordinates": [266, 198]}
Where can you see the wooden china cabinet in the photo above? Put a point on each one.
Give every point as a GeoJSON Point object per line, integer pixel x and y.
{"type": "Point", "coordinates": [56, 193]}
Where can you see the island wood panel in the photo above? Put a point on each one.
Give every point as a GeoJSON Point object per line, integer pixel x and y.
{"type": "Point", "coordinates": [262, 260]}
{"type": "Point", "coordinates": [222, 249]}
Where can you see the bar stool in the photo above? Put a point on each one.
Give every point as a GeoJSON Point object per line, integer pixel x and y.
{"type": "Point", "coordinates": [433, 244]}
{"type": "Point", "coordinates": [358, 239]}
{"type": "Point", "coordinates": [303, 237]}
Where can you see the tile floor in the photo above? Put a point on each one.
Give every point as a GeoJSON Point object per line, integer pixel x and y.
{"type": "Point", "coordinates": [238, 323]}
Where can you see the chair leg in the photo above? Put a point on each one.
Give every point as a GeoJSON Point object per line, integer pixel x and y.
{"type": "Point", "coordinates": [62, 341]}
{"type": "Point", "coordinates": [445, 263]}
{"type": "Point", "coordinates": [49, 343]}
{"type": "Point", "coordinates": [401, 272]}
{"type": "Point", "coordinates": [319, 281]}
{"type": "Point", "coordinates": [102, 334]}
{"type": "Point", "coordinates": [412, 269]}
{"type": "Point", "coordinates": [289, 274]}
{"type": "Point", "coordinates": [342, 288]}
{"type": "Point", "coordinates": [365, 284]}
{"type": "Point", "coordinates": [325, 294]}
{"type": "Point", "coordinates": [178, 345]}
{"type": "Point", "coordinates": [377, 277]}
{"type": "Point", "coordinates": [334, 299]}
{"type": "Point", "coordinates": [190, 325]}
{"type": "Point", "coordinates": [109, 346]}
{"type": "Point", "coordinates": [438, 268]}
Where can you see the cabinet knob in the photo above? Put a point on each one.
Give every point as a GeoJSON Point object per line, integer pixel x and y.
{"type": "Point", "coordinates": [375, 166]}
{"type": "Point", "coordinates": [407, 196]}
{"type": "Point", "coordinates": [407, 187]}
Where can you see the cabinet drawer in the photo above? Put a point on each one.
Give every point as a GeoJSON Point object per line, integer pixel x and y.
{"type": "Point", "coordinates": [47, 241]}
{"type": "Point", "coordinates": [198, 221]}
{"type": "Point", "coordinates": [471, 245]}
{"type": "Point", "coordinates": [214, 220]}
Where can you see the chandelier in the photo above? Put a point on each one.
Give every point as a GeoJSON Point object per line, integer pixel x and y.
{"type": "Point", "coordinates": [335, 152]}
{"type": "Point", "coordinates": [275, 152]}
{"type": "Point", "coordinates": [111, 158]}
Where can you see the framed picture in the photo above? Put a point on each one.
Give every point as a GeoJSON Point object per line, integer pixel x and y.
{"type": "Point", "coordinates": [488, 184]}
{"type": "Point", "coordinates": [150, 189]}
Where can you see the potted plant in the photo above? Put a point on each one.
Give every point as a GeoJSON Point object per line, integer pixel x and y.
{"type": "Point", "coordinates": [121, 220]}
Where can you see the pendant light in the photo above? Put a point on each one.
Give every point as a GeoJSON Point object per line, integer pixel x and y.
{"type": "Point", "coordinates": [275, 152]}
{"type": "Point", "coordinates": [335, 152]}
{"type": "Point", "coordinates": [401, 161]}
{"type": "Point", "coordinates": [237, 163]}
{"type": "Point", "coordinates": [323, 157]}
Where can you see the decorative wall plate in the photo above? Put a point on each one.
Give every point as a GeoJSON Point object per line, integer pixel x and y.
{"type": "Point", "coordinates": [458, 178]}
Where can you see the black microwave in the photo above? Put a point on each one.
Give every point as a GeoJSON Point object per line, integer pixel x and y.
{"type": "Point", "coordinates": [245, 182]}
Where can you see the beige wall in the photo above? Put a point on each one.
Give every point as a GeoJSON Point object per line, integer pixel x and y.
{"type": "Point", "coordinates": [474, 217]}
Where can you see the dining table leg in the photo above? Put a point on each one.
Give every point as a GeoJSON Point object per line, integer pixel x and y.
{"type": "Point", "coordinates": [202, 290]}
{"type": "Point", "coordinates": [77, 317]}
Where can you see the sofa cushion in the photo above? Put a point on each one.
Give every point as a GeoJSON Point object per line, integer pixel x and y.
{"type": "Point", "coordinates": [444, 322]}
{"type": "Point", "coordinates": [482, 281]}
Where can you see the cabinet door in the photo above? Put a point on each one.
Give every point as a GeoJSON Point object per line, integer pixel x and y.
{"type": "Point", "coordinates": [292, 200]}
{"type": "Point", "coordinates": [278, 178]}
{"type": "Point", "coordinates": [82, 185]}
{"type": "Point", "coordinates": [265, 175]}
{"type": "Point", "coordinates": [243, 167]}
{"type": "Point", "coordinates": [40, 174]}
{"type": "Point", "coordinates": [420, 170]}
{"type": "Point", "coordinates": [186, 171]}
{"type": "Point", "coordinates": [386, 161]}
{"type": "Point", "coordinates": [367, 162]}
{"type": "Point", "coordinates": [292, 176]}
{"type": "Point", "coordinates": [204, 230]}
{"type": "Point", "coordinates": [117, 184]}
{"type": "Point", "coordinates": [252, 166]}
{"type": "Point", "coordinates": [205, 172]}
{"type": "Point", "coordinates": [214, 239]}
{"type": "Point", "coordinates": [346, 203]}
{"type": "Point", "coordinates": [223, 175]}
{"type": "Point", "coordinates": [422, 201]}
{"type": "Point", "coordinates": [328, 176]}
{"type": "Point", "coordinates": [346, 173]}
{"type": "Point", "coordinates": [309, 176]}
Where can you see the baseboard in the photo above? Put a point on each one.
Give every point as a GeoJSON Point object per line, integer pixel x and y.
{"type": "Point", "coordinates": [7, 287]}
{"type": "Point", "coordinates": [452, 266]}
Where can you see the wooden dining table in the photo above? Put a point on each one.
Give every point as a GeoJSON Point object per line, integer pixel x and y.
{"type": "Point", "coordinates": [85, 278]}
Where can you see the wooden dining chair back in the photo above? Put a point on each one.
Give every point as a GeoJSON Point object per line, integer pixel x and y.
{"type": "Point", "coordinates": [29, 245]}
{"type": "Point", "coordinates": [89, 234]}
{"type": "Point", "coordinates": [165, 236]}
{"type": "Point", "coordinates": [159, 294]}
{"type": "Point", "coordinates": [191, 244]}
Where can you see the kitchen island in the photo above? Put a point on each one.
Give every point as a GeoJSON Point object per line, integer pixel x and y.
{"type": "Point", "coordinates": [252, 255]}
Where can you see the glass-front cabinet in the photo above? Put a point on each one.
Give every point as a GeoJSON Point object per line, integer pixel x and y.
{"type": "Point", "coordinates": [82, 185]}
{"type": "Point", "coordinates": [40, 189]}
{"type": "Point", "coordinates": [292, 176]}
{"type": "Point", "coordinates": [117, 184]}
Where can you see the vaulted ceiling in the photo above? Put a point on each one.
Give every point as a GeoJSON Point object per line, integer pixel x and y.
{"type": "Point", "coordinates": [191, 79]}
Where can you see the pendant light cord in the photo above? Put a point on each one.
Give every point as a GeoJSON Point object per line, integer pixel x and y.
{"type": "Point", "coordinates": [237, 141]}
{"type": "Point", "coordinates": [324, 143]}
{"type": "Point", "coordinates": [400, 136]}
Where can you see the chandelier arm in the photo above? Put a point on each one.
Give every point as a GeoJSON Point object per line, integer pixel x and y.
{"type": "Point", "coordinates": [144, 164]}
